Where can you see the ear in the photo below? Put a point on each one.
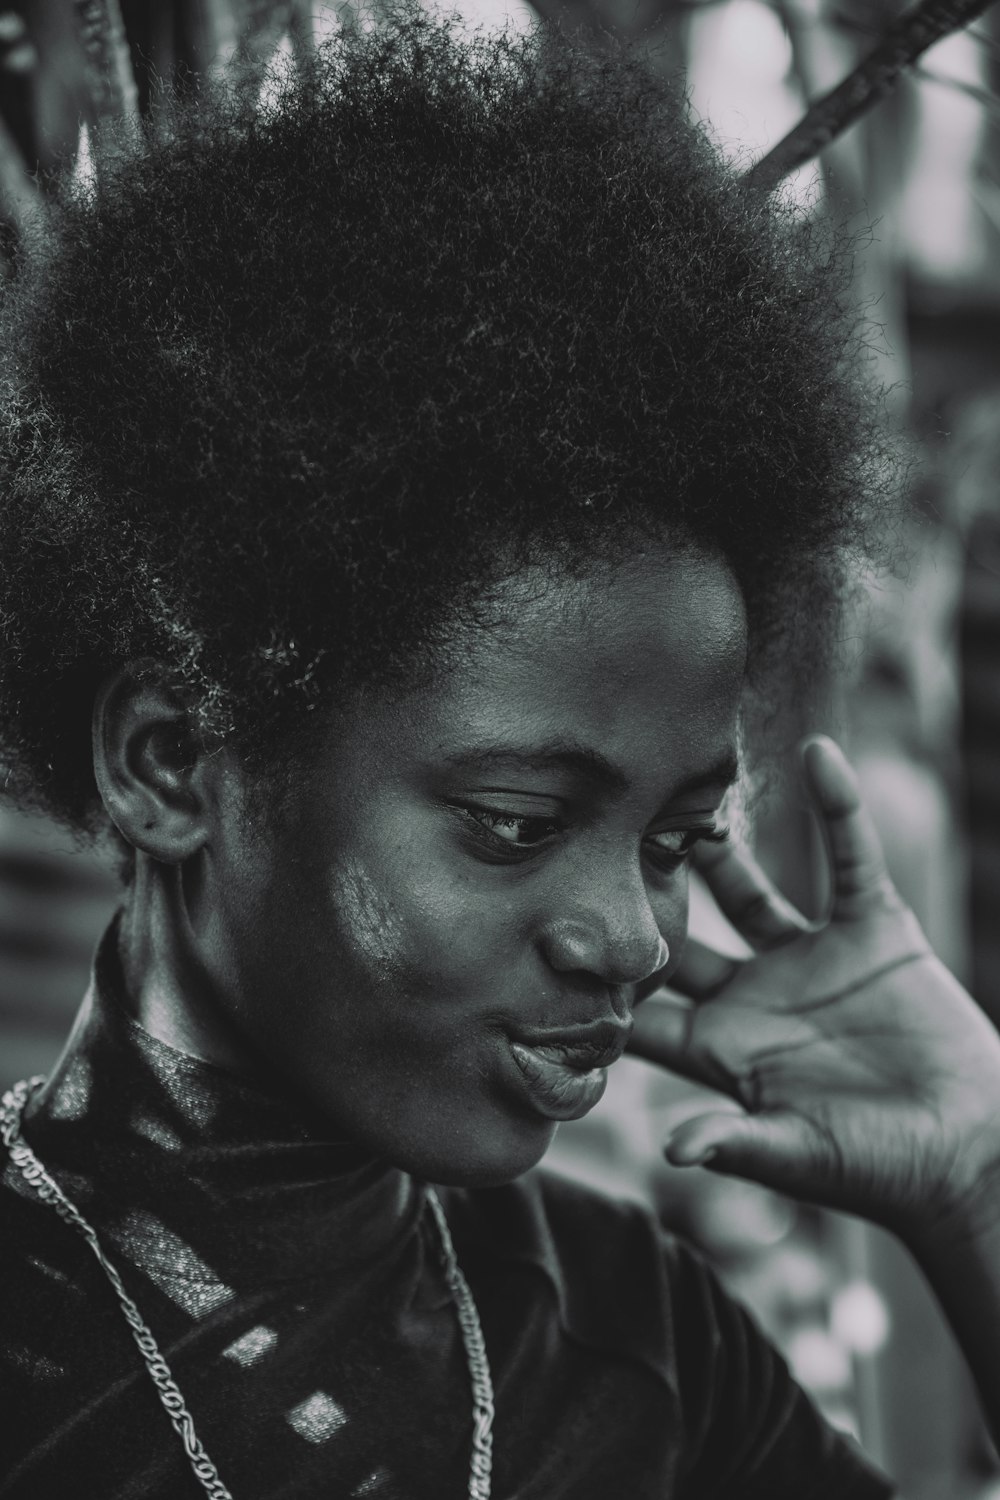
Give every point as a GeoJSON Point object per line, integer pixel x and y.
{"type": "Point", "coordinates": [152, 770]}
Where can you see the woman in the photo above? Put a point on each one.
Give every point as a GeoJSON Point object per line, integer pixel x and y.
{"type": "Point", "coordinates": [404, 487]}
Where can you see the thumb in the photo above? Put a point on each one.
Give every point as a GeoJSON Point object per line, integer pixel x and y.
{"type": "Point", "coordinates": [777, 1149]}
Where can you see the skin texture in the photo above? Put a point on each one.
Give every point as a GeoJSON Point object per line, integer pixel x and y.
{"type": "Point", "coordinates": [378, 941]}
{"type": "Point", "coordinates": [869, 1078]}
{"type": "Point", "coordinates": [381, 955]}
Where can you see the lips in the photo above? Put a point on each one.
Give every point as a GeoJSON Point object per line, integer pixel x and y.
{"type": "Point", "coordinates": [563, 1074]}
{"type": "Point", "coordinates": [596, 1045]}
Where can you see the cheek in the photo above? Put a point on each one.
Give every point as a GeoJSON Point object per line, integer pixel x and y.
{"type": "Point", "coordinates": [369, 921]}
{"type": "Point", "coordinates": [429, 934]}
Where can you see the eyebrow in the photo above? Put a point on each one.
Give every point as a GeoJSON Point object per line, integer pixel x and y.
{"type": "Point", "coordinates": [562, 755]}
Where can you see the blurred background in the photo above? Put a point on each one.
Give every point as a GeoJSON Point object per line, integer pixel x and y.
{"type": "Point", "coordinates": [918, 702]}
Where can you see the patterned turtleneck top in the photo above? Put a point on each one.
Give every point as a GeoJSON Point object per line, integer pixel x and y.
{"type": "Point", "coordinates": [295, 1288]}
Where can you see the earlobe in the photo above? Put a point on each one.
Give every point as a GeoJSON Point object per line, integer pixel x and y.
{"type": "Point", "coordinates": [149, 765]}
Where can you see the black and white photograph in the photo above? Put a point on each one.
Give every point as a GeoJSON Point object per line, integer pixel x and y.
{"type": "Point", "coordinates": [499, 750]}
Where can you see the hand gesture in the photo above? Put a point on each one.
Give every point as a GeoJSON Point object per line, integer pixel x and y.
{"type": "Point", "coordinates": [869, 1079]}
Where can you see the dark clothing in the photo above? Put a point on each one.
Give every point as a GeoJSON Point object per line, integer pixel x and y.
{"type": "Point", "coordinates": [295, 1289]}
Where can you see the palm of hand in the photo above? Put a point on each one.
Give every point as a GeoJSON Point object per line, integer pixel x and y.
{"type": "Point", "coordinates": [870, 1079]}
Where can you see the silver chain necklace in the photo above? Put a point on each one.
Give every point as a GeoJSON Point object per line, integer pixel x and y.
{"type": "Point", "coordinates": [34, 1173]}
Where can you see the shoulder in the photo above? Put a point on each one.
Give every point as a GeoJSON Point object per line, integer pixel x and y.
{"type": "Point", "coordinates": [46, 1322]}
{"type": "Point", "coordinates": [44, 1309]}
{"type": "Point", "coordinates": [609, 1267]}
{"type": "Point", "coordinates": [621, 1286]}
{"type": "Point", "coordinates": [33, 1244]}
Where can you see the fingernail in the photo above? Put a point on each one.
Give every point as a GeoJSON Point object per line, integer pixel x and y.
{"type": "Point", "coordinates": [683, 1156]}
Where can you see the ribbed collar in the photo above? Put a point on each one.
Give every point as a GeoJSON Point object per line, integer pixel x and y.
{"type": "Point", "coordinates": [186, 1166]}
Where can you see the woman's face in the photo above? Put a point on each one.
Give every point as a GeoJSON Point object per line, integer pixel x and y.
{"type": "Point", "coordinates": [438, 938]}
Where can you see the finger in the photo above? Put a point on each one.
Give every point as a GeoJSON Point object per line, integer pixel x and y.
{"type": "Point", "coordinates": [647, 987]}
{"type": "Point", "coordinates": [777, 1150]}
{"type": "Point", "coordinates": [755, 907]}
{"type": "Point", "coordinates": [662, 1033]}
{"type": "Point", "coordinates": [857, 863]}
{"type": "Point", "coordinates": [702, 972]}
{"type": "Point", "coordinates": [695, 1042]}
{"type": "Point", "coordinates": [715, 1043]}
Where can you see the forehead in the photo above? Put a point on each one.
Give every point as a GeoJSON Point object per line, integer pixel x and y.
{"type": "Point", "coordinates": [637, 663]}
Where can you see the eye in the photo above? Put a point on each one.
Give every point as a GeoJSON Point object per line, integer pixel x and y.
{"type": "Point", "coordinates": [512, 829]}
{"type": "Point", "coordinates": [673, 845]}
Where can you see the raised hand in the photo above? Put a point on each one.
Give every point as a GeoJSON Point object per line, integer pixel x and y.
{"type": "Point", "coordinates": [869, 1079]}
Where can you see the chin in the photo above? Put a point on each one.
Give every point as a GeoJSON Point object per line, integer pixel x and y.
{"type": "Point", "coordinates": [480, 1160]}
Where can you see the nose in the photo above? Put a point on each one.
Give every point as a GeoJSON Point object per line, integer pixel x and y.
{"type": "Point", "coordinates": [614, 935]}
{"type": "Point", "coordinates": [574, 946]}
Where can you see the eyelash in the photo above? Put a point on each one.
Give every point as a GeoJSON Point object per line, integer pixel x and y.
{"type": "Point", "coordinates": [716, 833]}
{"type": "Point", "coordinates": [484, 824]}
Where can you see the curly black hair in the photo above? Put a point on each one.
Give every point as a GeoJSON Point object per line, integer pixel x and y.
{"type": "Point", "coordinates": [290, 381]}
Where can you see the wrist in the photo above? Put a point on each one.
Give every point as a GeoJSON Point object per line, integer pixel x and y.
{"type": "Point", "coordinates": [958, 1253]}
{"type": "Point", "coordinates": [965, 1214]}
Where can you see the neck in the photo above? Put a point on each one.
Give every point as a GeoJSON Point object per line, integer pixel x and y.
{"type": "Point", "coordinates": [203, 1178]}
{"type": "Point", "coordinates": [165, 947]}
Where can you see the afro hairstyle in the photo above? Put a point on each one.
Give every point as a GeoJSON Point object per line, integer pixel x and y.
{"type": "Point", "coordinates": [292, 378]}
